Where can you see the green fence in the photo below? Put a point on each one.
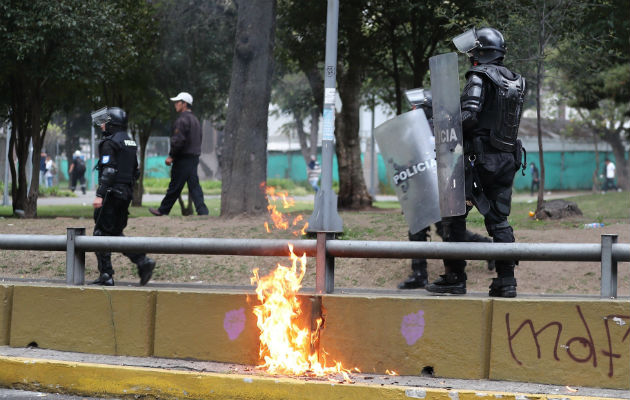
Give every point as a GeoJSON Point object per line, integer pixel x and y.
{"type": "Point", "coordinates": [564, 170]}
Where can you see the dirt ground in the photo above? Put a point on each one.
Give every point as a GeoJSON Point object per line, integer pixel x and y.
{"type": "Point", "coordinates": [533, 277]}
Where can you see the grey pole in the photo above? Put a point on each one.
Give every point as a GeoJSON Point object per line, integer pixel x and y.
{"type": "Point", "coordinates": [325, 220]}
{"type": "Point", "coordinates": [91, 183]}
{"type": "Point", "coordinates": [5, 192]}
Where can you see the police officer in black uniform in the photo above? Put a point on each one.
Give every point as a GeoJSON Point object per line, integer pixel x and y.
{"type": "Point", "coordinates": [491, 104]}
{"type": "Point", "coordinates": [419, 277]}
{"type": "Point", "coordinates": [117, 172]}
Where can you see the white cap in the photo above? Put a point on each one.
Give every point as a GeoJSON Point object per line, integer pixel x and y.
{"type": "Point", "coordinates": [77, 153]}
{"type": "Point", "coordinates": [183, 96]}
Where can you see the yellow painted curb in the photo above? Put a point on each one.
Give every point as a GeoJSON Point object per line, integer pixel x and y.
{"type": "Point", "coordinates": [99, 379]}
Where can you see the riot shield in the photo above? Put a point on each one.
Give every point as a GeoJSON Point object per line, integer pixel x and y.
{"type": "Point", "coordinates": [447, 126]}
{"type": "Point", "coordinates": [406, 145]}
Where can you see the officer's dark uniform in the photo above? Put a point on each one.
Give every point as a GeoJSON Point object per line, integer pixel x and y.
{"type": "Point", "coordinates": [491, 105]}
{"type": "Point", "coordinates": [117, 172]}
{"type": "Point", "coordinates": [185, 151]}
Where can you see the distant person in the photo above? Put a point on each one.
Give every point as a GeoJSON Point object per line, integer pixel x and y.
{"type": "Point", "coordinates": [51, 171]}
{"type": "Point", "coordinates": [117, 173]}
{"type": "Point", "coordinates": [611, 171]}
{"type": "Point", "coordinates": [313, 173]}
{"type": "Point", "coordinates": [535, 178]}
{"type": "Point", "coordinates": [184, 157]}
{"type": "Point", "coordinates": [77, 171]}
{"type": "Point", "coordinates": [42, 168]}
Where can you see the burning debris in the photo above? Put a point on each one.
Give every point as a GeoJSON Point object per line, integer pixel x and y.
{"type": "Point", "coordinates": [285, 347]}
{"type": "Point", "coordinates": [279, 220]}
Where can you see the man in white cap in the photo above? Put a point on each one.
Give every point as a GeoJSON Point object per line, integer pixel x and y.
{"type": "Point", "coordinates": [184, 158]}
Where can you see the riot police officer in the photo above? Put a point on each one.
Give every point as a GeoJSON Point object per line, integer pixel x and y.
{"type": "Point", "coordinates": [117, 172]}
{"type": "Point", "coordinates": [419, 277]}
{"type": "Point", "coordinates": [491, 104]}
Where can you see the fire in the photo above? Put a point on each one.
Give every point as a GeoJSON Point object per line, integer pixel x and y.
{"type": "Point", "coordinates": [285, 347]}
{"type": "Point", "coordinates": [279, 220]}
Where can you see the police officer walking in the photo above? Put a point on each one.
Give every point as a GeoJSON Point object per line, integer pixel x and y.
{"type": "Point", "coordinates": [117, 172]}
{"type": "Point", "coordinates": [491, 105]}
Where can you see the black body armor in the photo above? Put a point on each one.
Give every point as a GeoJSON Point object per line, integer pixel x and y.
{"type": "Point", "coordinates": [502, 111]}
{"type": "Point", "coordinates": [126, 163]}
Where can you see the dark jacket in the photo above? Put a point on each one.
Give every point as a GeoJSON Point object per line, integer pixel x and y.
{"type": "Point", "coordinates": [186, 137]}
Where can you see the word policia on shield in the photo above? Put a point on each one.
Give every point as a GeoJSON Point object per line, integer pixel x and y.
{"type": "Point", "coordinates": [285, 346]}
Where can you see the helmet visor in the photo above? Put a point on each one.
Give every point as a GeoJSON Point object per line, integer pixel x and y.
{"type": "Point", "coordinates": [466, 41]}
{"type": "Point", "coordinates": [416, 97]}
{"type": "Point", "coordinates": [100, 116]}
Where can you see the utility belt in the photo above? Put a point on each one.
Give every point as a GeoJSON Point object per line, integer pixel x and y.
{"type": "Point", "coordinates": [476, 149]}
{"type": "Point", "coordinates": [475, 152]}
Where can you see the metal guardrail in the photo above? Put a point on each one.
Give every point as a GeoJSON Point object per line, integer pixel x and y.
{"type": "Point", "coordinates": [76, 244]}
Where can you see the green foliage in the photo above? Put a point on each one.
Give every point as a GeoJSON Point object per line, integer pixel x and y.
{"type": "Point", "coordinates": [159, 186]}
{"type": "Point", "coordinates": [55, 191]}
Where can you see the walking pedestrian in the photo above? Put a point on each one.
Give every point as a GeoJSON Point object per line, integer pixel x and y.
{"type": "Point", "coordinates": [184, 158]}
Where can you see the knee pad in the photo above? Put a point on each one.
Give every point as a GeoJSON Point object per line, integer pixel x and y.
{"type": "Point", "coordinates": [503, 203]}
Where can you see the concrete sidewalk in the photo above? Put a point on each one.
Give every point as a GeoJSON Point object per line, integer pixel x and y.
{"type": "Point", "coordinates": [86, 199]}
{"type": "Point", "coordinates": [98, 375]}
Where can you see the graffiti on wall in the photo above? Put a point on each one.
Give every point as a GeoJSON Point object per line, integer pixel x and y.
{"type": "Point", "coordinates": [581, 348]}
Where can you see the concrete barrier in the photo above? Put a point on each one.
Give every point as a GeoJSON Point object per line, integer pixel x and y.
{"type": "Point", "coordinates": [564, 342]}
{"type": "Point", "coordinates": [568, 341]}
{"type": "Point", "coordinates": [446, 336]}
{"type": "Point", "coordinates": [89, 320]}
{"type": "Point", "coordinates": [6, 299]}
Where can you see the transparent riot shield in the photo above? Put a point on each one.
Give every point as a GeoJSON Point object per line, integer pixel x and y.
{"type": "Point", "coordinates": [406, 144]}
{"type": "Point", "coordinates": [447, 126]}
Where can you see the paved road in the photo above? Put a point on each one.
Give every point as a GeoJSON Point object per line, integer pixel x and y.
{"type": "Point", "coordinates": [87, 198]}
{"type": "Point", "coordinates": [25, 395]}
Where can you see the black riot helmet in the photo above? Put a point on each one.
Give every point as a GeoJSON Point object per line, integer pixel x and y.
{"type": "Point", "coordinates": [482, 46]}
{"type": "Point", "coordinates": [114, 118]}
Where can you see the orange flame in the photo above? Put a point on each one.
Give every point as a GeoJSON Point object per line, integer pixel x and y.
{"type": "Point", "coordinates": [284, 346]}
{"type": "Point", "coordinates": [279, 220]}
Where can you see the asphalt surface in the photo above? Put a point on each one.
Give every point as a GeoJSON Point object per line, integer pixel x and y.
{"type": "Point", "coordinates": [417, 383]}
{"type": "Point", "coordinates": [86, 199]}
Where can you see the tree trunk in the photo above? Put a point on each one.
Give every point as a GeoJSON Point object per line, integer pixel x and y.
{"type": "Point", "coordinates": [26, 116]}
{"type": "Point", "coordinates": [614, 139]}
{"type": "Point", "coordinates": [596, 183]}
{"type": "Point", "coordinates": [353, 194]}
{"type": "Point", "coordinates": [244, 161]}
{"type": "Point", "coordinates": [144, 133]}
{"type": "Point", "coordinates": [539, 83]}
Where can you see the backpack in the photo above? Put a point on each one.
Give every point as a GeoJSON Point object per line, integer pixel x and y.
{"type": "Point", "coordinates": [80, 165]}
{"type": "Point", "coordinates": [53, 168]}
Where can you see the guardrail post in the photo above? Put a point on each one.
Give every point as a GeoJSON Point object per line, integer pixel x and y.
{"type": "Point", "coordinates": [325, 267]}
{"type": "Point", "coordinates": [75, 259]}
{"type": "Point", "coordinates": [609, 267]}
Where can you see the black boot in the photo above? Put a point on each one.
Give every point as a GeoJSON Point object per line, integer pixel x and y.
{"type": "Point", "coordinates": [451, 283]}
{"type": "Point", "coordinates": [104, 279]}
{"type": "Point", "coordinates": [414, 281]}
{"type": "Point", "coordinates": [503, 287]}
{"type": "Point", "coordinates": [145, 270]}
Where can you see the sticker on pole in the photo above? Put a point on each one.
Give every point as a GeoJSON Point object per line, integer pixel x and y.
{"type": "Point", "coordinates": [329, 124]}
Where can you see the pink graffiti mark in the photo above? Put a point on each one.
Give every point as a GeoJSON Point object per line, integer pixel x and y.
{"type": "Point", "coordinates": [234, 323]}
{"type": "Point", "coordinates": [586, 341]}
{"type": "Point", "coordinates": [412, 327]}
